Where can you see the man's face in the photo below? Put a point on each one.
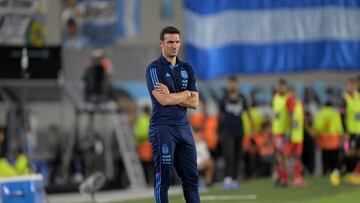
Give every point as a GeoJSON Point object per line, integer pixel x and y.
{"type": "Point", "coordinates": [71, 30]}
{"type": "Point", "coordinates": [233, 86]}
{"type": "Point", "coordinates": [351, 86]}
{"type": "Point", "coordinates": [281, 88]}
{"type": "Point", "coordinates": [170, 45]}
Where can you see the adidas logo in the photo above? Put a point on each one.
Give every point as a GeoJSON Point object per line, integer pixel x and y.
{"type": "Point", "coordinates": [167, 75]}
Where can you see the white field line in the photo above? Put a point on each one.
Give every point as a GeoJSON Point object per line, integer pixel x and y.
{"type": "Point", "coordinates": [228, 197]}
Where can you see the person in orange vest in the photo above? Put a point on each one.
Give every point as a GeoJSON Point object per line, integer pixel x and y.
{"type": "Point", "coordinates": [143, 146]}
{"type": "Point", "coordinates": [350, 112]}
{"type": "Point", "coordinates": [249, 147]}
{"type": "Point", "coordinates": [264, 150]}
{"type": "Point", "coordinates": [207, 123]}
{"type": "Point", "coordinates": [328, 130]}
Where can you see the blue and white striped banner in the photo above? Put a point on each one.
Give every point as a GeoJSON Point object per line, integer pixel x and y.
{"type": "Point", "coordinates": [129, 14]}
{"type": "Point", "coordinates": [271, 36]}
{"type": "Point", "coordinates": [107, 20]}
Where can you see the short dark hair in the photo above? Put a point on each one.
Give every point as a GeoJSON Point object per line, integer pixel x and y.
{"type": "Point", "coordinates": [328, 103]}
{"type": "Point", "coordinates": [168, 30]}
{"type": "Point", "coordinates": [282, 81]}
{"type": "Point", "coordinates": [232, 78]}
{"type": "Point", "coordinates": [71, 22]}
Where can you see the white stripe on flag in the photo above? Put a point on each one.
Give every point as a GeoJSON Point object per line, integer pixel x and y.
{"type": "Point", "coordinates": [272, 26]}
{"type": "Point", "coordinates": [130, 20]}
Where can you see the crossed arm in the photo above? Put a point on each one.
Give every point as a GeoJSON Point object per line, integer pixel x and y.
{"type": "Point", "coordinates": [188, 99]}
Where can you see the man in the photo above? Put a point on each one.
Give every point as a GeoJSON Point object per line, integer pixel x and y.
{"type": "Point", "coordinates": [350, 111]}
{"type": "Point", "coordinates": [282, 105]}
{"type": "Point", "coordinates": [21, 166]}
{"type": "Point", "coordinates": [97, 77]}
{"type": "Point", "coordinates": [232, 106]}
{"type": "Point", "coordinates": [172, 87]}
{"type": "Point", "coordinates": [328, 130]}
{"type": "Point", "coordinates": [72, 39]}
{"type": "Point", "coordinates": [295, 147]}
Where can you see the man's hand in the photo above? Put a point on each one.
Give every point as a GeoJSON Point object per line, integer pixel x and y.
{"type": "Point", "coordinates": [192, 102]}
{"type": "Point", "coordinates": [162, 89]}
{"type": "Point", "coordinates": [165, 98]}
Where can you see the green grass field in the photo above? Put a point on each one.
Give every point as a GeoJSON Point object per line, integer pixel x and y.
{"type": "Point", "coordinates": [318, 190]}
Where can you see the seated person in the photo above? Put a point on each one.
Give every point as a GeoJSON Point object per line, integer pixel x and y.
{"type": "Point", "coordinates": [21, 166]}
{"type": "Point", "coordinates": [264, 150]}
{"type": "Point", "coordinates": [204, 161]}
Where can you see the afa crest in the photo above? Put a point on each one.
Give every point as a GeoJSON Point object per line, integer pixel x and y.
{"type": "Point", "coordinates": [184, 74]}
{"type": "Point", "coordinates": [165, 149]}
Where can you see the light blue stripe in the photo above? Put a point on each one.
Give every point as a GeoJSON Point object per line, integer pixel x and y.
{"type": "Point", "coordinates": [158, 193]}
{"type": "Point", "coordinates": [209, 7]}
{"type": "Point", "coordinates": [158, 188]}
{"type": "Point", "coordinates": [128, 18]}
{"type": "Point", "coordinates": [274, 58]}
{"type": "Point", "coordinates": [137, 16]}
{"type": "Point", "coordinates": [152, 77]}
{"type": "Point", "coordinates": [120, 27]}
{"type": "Point", "coordinates": [156, 77]}
{"type": "Point", "coordinates": [155, 189]}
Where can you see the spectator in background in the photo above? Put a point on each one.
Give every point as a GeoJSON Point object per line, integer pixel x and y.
{"type": "Point", "coordinates": [71, 10]}
{"type": "Point", "coordinates": [3, 142]}
{"type": "Point", "coordinates": [328, 130]}
{"type": "Point", "coordinates": [248, 147]}
{"type": "Point", "coordinates": [72, 18]}
{"type": "Point", "coordinates": [206, 122]}
{"type": "Point", "coordinates": [204, 161]}
{"type": "Point", "coordinates": [72, 39]}
{"type": "Point", "coordinates": [143, 146]}
{"type": "Point", "coordinates": [282, 105]}
{"type": "Point", "coordinates": [350, 111]}
{"type": "Point", "coordinates": [21, 166]}
{"type": "Point", "coordinates": [97, 77]}
{"type": "Point", "coordinates": [308, 155]}
{"type": "Point", "coordinates": [232, 106]}
{"type": "Point", "coordinates": [295, 148]}
{"type": "Point", "coordinates": [264, 150]}
{"type": "Point", "coordinates": [312, 105]}
{"type": "Point", "coordinates": [311, 101]}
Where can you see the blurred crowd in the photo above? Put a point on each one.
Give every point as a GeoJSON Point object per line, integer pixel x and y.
{"type": "Point", "coordinates": [239, 137]}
